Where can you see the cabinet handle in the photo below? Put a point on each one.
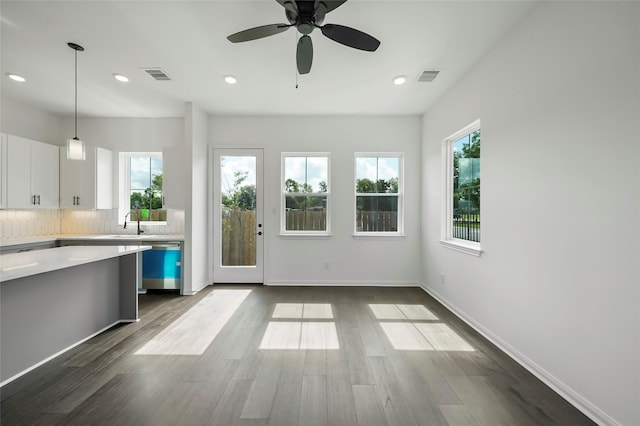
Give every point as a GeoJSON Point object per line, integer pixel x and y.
{"type": "Point", "coordinates": [33, 200]}
{"type": "Point", "coordinates": [78, 200]}
{"type": "Point", "coordinates": [38, 200]}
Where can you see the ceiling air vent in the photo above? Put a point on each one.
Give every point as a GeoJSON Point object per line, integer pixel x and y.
{"type": "Point", "coordinates": [157, 74]}
{"type": "Point", "coordinates": [428, 76]}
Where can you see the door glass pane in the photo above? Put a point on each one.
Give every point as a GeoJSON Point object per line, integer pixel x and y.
{"type": "Point", "coordinates": [238, 210]}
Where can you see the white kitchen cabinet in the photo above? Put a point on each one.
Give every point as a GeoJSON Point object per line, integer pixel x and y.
{"type": "Point", "coordinates": [3, 170]}
{"type": "Point", "coordinates": [173, 183]}
{"type": "Point", "coordinates": [32, 174]}
{"type": "Point", "coordinates": [88, 184]}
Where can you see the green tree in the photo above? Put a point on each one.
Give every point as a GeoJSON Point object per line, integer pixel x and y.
{"type": "Point", "coordinates": [151, 198]}
{"type": "Point", "coordinates": [240, 196]}
{"type": "Point", "coordinates": [466, 195]}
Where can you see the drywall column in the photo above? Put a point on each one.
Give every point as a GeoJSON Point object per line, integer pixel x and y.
{"type": "Point", "coordinates": [195, 214]}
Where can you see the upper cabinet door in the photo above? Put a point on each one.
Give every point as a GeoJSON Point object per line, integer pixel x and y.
{"type": "Point", "coordinates": [173, 177]}
{"type": "Point", "coordinates": [19, 194]}
{"type": "Point", "coordinates": [32, 174]}
{"type": "Point", "coordinates": [88, 184]}
{"type": "Point", "coordinates": [45, 175]}
{"type": "Point", "coordinates": [3, 170]}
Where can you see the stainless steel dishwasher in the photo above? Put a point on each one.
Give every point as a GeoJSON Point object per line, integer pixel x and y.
{"type": "Point", "coordinates": [161, 266]}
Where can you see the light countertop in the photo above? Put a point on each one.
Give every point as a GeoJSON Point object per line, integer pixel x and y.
{"type": "Point", "coordinates": [19, 265]}
{"type": "Point", "coordinates": [125, 238]}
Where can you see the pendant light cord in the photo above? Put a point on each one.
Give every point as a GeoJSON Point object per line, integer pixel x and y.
{"type": "Point", "coordinates": [76, 97]}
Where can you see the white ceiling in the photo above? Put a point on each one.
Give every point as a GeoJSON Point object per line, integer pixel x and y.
{"type": "Point", "coordinates": [187, 39]}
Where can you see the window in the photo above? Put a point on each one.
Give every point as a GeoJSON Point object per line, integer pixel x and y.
{"type": "Point", "coordinates": [305, 194]}
{"type": "Point", "coordinates": [141, 187]}
{"type": "Point", "coordinates": [461, 226]}
{"type": "Point", "coordinates": [378, 194]}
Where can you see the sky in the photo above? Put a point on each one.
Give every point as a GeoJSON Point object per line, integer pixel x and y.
{"type": "Point", "coordinates": [140, 168]}
{"type": "Point", "coordinates": [230, 164]}
{"type": "Point", "coordinates": [316, 170]}
{"type": "Point", "coordinates": [376, 168]}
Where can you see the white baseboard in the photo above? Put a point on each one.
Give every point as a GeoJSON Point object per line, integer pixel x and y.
{"type": "Point", "coordinates": [33, 367]}
{"type": "Point", "coordinates": [342, 283]}
{"type": "Point", "coordinates": [566, 392]}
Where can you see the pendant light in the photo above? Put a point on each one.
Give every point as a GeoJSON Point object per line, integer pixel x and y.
{"type": "Point", "coordinates": [75, 147]}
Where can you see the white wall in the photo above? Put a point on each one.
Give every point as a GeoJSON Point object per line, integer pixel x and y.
{"type": "Point", "coordinates": [25, 120]}
{"type": "Point", "coordinates": [557, 284]}
{"type": "Point", "coordinates": [196, 256]}
{"type": "Point", "coordinates": [352, 261]}
{"type": "Point", "coordinates": [127, 134]}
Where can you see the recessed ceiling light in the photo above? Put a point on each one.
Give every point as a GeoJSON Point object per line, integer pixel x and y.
{"type": "Point", "coordinates": [120, 77]}
{"type": "Point", "coordinates": [229, 79]}
{"type": "Point", "coordinates": [16, 77]}
{"type": "Point", "coordinates": [399, 80]}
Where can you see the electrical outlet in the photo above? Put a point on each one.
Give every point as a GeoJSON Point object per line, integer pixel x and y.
{"type": "Point", "coordinates": [327, 266]}
{"type": "Point", "coordinates": [442, 279]}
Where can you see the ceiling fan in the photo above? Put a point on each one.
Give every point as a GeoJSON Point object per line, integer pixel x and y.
{"type": "Point", "coordinates": [306, 16]}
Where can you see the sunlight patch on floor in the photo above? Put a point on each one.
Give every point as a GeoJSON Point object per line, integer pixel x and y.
{"type": "Point", "coordinates": [300, 335]}
{"type": "Point", "coordinates": [303, 310]}
{"type": "Point", "coordinates": [303, 334]}
{"type": "Point", "coordinates": [390, 311]}
{"type": "Point", "coordinates": [405, 337]}
{"type": "Point", "coordinates": [193, 331]}
{"type": "Point", "coordinates": [443, 338]}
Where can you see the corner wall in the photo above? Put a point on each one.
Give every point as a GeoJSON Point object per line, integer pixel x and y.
{"type": "Point", "coordinates": [557, 284]}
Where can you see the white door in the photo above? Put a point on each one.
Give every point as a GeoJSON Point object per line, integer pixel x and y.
{"type": "Point", "coordinates": [237, 216]}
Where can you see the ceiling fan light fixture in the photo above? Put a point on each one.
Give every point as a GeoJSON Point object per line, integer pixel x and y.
{"type": "Point", "coordinates": [400, 80]}
{"type": "Point", "coordinates": [229, 79]}
{"type": "Point", "coordinates": [75, 147]}
{"type": "Point", "coordinates": [16, 77]}
{"type": "Point", "coordinates": [121, 77]}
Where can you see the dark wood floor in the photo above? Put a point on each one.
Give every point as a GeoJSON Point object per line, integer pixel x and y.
{"type": "Point", "coordinates": [365, 382]}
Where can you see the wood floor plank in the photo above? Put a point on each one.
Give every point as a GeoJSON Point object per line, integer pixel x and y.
{"type": "Point", "coordinates": [228, 410]}
{"type": "Point", "coordinates": [313, 401]}
{"type": "Point", "coordinates": [263, 391]}
{"type": "Point", "coordinates": [394, 402]}
{"type": "Point", "coordinates": [286, 404]}
{"type": "Point", "coordinates": [341, 408]}
{"type": "Point", "coordinates": [368, 406]}
{"type": "Point", "coordinates": [356, 357]}
{"type": "Point", "coordinates": [315, 363]}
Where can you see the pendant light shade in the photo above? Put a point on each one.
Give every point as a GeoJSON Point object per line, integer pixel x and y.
{"type": "Point", "coordinates": [75, 147]}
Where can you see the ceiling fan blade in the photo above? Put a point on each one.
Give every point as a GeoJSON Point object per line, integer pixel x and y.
{"type": "Point", "coordinates": [350, 37]}
{"type": "Point", "coordinates": [290, 5]}
{"type": "Point", "coordinates": [304, 54]}
{"type": "Point", "coordinates": [258, 32]}
{"type": "Point", "coordinates": [291, 10]}
{"type": "Point", "coordinates": [330, 4]}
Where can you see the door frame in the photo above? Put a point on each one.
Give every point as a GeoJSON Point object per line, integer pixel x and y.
{"type": "Point", "coordinates": [215, 248]}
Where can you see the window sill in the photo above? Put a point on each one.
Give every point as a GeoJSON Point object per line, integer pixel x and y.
{"type": "Point", "coordinates": [380, 235]}
{"type": "Point", "coordinates": [467, 247]}
{"type": "Point", "coordinates": [304, 235]}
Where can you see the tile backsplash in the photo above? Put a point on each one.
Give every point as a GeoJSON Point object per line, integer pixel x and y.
{"type": "Point", "coordinates": [18, 224]}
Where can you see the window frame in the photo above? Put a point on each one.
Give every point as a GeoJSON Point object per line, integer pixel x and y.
{"type": "Point", "coordinates": [124, 206]}
{"type": "Point", "coordinates": [283, 194]}
{"type": "Point", "coordinates": [399, 195]}
{"type": "Point", "coordinates": [446, 235]}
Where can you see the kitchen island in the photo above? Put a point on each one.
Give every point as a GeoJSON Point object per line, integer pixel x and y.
{"type": "Point", "coordinates": [56, 298]}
